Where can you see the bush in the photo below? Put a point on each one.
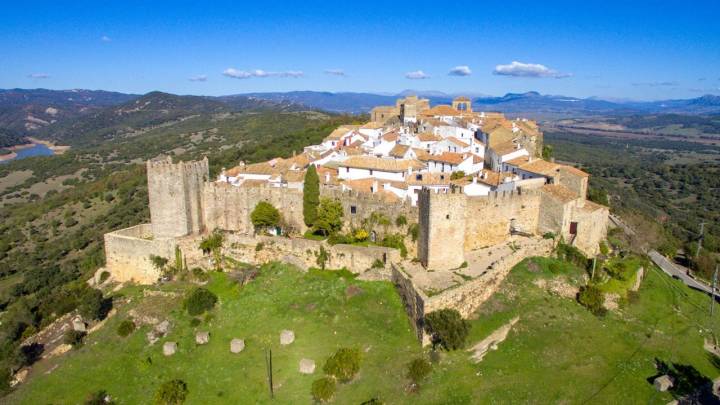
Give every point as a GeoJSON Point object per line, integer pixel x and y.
{"type": "Point", "coordinates": [265, 215]}
{"type": "Point", "coordinates": [414, 232]}
{"type": "Point", "coordinates": [126, 327]}
{"type": "Point", "coordinates": [418, 369]}
{"type": "Point", "coordinates": [194, 322]}
{"type": "Point", "coordinates": [98, 398]}
{"type": "Point", "coordinates": [104, 276]}
{"type": "Point", "coordinates": [378, 264]}
{"type": "Point", "coordinates": [571, 254]}
{"type": "Point", "coordinates": [337, 238]}
{"type": "Point", "coordinates": [593, 299]}
{"type": "Point", "coordinates": [604, 250]}
{"type": "Point", "coordinates": [548, 235]}
{"type": "Point", "coordinates": [92, 304]}
{"type": "Point", "coordinates": [395, 241]}
{"type": "Point", "coordinates": [360, 235]}
{"type": "Point", "coordinates": [329, 217]}
{"type": "Point", "coordinates": [343, 365]}
{"type": "Point", "coordinates": [260, 246]}
{"type": "Point", "coordinates": [74, 338]}
{"type": "Point", "coordinates": [447, 328]}
{"type": "Point", "coordinates": [199, 301]}
{"type": "Point", "coordinates": [172, 392]}
{"type": "Point", "coordinates": [323, 389]}
{"type": "Point", "coordinates": [400, 221]}
{"type": "Point", "coordinates": [457, 175]}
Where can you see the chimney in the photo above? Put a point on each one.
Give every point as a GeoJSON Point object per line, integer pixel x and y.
{"type": "Point", "coordinates": [327, 177]}
{"type": "Point", "coordinates": [374, 187]}
{"type": "Point", "coordinates": [552, 159]}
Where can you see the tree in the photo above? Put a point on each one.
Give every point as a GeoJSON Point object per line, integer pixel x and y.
{"type": "Point", "coordinates": [321, 257]}
{"type": "Point", "coordinates": [265, 216]}
{"type": "Point", "coordinates": [158, 262]}
{"type": "Point", "coordinates": [213, 244]}
{"type": "Point", "coordinates": [547, 152]}
{"type": "Point", "coordinates": [418, 369]}
{"type": "Point", "coordinates": [457, 175]}
{"type": "Point", "coordinates": [93, 305]}
{"type": "Point", "coordinates": [401, 220]}
{"type": "Point", "coordinates": [311, 196]}
{"type": "Point", "coordinates": [171, 392]}
{"type": "Point", "coordinates": [344, 364]}
{"type": "Point", "coordinates": [74, 338]}
{"type": "Point", "coordinates": [126, 327]}
{"type": "Point", "coordinates": [329, 216]}
{"type": "Point", "coordinates": [323, 389]}
{"type": "Point", "coordinates": [593, 299]}
{"type": "Point", "coordinates": [200, 300]}
{"type": "Point", "coordinates": [447, 328]}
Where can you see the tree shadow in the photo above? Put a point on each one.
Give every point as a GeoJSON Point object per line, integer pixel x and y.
{"type": "Point", "coordinates": [689, 385]}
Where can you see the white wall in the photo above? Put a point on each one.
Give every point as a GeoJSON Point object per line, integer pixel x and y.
{"type": "Point", "coordinates": [352, 173]}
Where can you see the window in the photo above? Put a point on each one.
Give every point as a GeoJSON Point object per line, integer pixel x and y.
{"type": "Point", "coordinates": [447, 216]}
{"type": "Point", "coordinates": [371, 172]}
{"type": "Point", "coordinates": [353, 209]}
{"type": "Point", "coordinates": [418, 177]}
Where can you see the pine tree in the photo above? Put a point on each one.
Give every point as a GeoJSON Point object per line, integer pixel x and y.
{"type": "Point", "coordinates": [311, 196]}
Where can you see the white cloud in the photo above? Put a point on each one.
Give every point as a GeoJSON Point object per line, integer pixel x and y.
{"type": "Point", "coordinates": [39, 76]}
{"type": "Point", "coordinates": [198, 78]}
{"type": "Point", "coordinates": [105, 38]}
{"type": "Point", "coordinates": [460, 71]}
{"type": "Point", "coordinates": [243, 74]}
{"type": "Point", "coordinates": [655, 84]}
{"type": "Point", "coordinates": [335, 72]}
{"type": "Point", "coordinates": [417, 75]}
{"type": "Point", "coordinates": [520, 69]}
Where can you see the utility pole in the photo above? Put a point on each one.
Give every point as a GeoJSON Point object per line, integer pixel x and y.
{"type": "Point", "coordinates": [700, 240]}
{"type": "Point", "coordinates": [268, 363]}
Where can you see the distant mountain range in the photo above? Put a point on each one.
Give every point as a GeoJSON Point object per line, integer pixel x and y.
{"type": "Point", "coordinates": [69, 114]}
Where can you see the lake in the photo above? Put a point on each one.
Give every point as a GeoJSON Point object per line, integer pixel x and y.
{"type": "Point", "coordinates": [37, 150]}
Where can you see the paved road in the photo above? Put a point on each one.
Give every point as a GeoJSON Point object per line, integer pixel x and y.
{"type": "Point", "coordinates": [679, 272]}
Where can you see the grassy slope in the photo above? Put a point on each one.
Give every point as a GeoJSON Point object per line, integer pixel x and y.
{"type": "Point", "coordinates": [557, 352]}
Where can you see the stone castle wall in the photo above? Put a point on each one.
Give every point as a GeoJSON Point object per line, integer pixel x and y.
{"type": "Point", "coordinates": [465, 298]}
{"type": "Point", "coordinates": [127, 253]}
{"type": "Point", "coordinates": [489, 218]}
{"type": "Point", "coordinates": [228, 208]}
{"type": "Point", "coordinates": [174, 191]}
{"type": "Point", "coordinates": [360, 206]}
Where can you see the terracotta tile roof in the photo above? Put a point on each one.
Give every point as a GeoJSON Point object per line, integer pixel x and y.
{"type": "Point", "coordinates": [421, 154]}
{"type": "Point", "coordinates": [441, 110]}
{"type": "Point", "coordinates": [353, 151]}
{"type": "Point", "coordinates": [519, 161]}
{"type": "Point", "coordinates": [428, 179]}
{"type": "Point", "coordinates": [372, 125]}
{"type": "Point", "coordinates": [590, 206]}
{"type": "Point", "coordinates": [294, 176]}
{"type": "Point", "coordinates": [575, 171]}
{"type": "Point", "coordinates": [505, 148]}
{"type": "Point", "coordinates": [323, 171]}
{"type": "Point", "coordinates": [338, 133]}
{"type": "Point", "coordinates": [253, 183]}
{"type": "Point", "coordinates": [365, 184]}
{"type": "Point", "coordinates": [447, 157]}
{"type": "Point", "coordinates": [390, 136]}
{"type": "Point", "coordinates": [542, 167]}
{"type": "Point", "coordinates": [385, 165]}
{"type": "Point", "coordinates": [399, 150]}
{"type": "Point", "coordinates": [428, 137]}
{"type": "Point", "coordinates": [492, 178]}
{"type": "Point", "coordinates": [457, 141]}
{"type": "Point", "coordinates": [559, 192]}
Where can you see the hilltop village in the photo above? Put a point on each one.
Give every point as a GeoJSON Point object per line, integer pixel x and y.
{"type": "Point", "coordinates": [465, 193]}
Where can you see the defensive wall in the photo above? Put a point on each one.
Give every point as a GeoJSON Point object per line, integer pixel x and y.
{"type": "Point", "coordinates": [467, 297]}
{"type": "Point", "coordinates": [127, 253]}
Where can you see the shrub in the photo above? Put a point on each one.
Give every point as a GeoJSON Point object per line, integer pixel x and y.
{"type": "Point", "coordinates": [548, 235]}
{"type": "Point", "coordinates": [195, 322]}
{"type": "Point", "coordinates": [158, 262]}
{"type": "Point", "coordinates": [418, 369]}
{"type": "Point", "coordinates": [329, 217]}
{"type": "Point", "coordinates": [74, 338]}
{"type": "Point", "coordinates": [360, 235]}
{"type": "Point", "coordinates": [321, 257]}
{"type": "Point", "coordinates": [400, 221]}
{"type": "Point", "coordinates": [171, 392]}
{"type": "Point", "coordinates": [457, 175]}
{"type": "Point", "coordinates": [199, 301]}
{"type": "Point", "coordinates": [378, 264]}
{"type": "Point", "coordinates": [464, 265]}
{"type": "Point", "coordinates": [396, 241]}
{"type": "Point", "coordinates": [323, 389]}
{"type": "Point", "coordinates": [604, 248]}
{"type": "Point", "coordinates": [260, 246]}
{"type": "Point", "coordinates": [104, 276]}
{"type": "Point", "coordinates": [98, 398]}
{"type": "Point", "coordinates": [343, 365]}
{"type": "Point", "coordinates": [338, 238]}
{"type": "Point", "coordinates": [92, 304]}
{"type": "Point", "coordinates": [126, 327]}
{"type": "Point", "coordinates": [593, 299]}
{"type": "Point", "coordinates": [447, 328]}
{"type": "Point", "coordinates": [414, 232]}
{"type": "Point", "coordinates": [571, 254]}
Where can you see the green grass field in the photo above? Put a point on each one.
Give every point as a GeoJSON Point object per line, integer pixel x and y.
{"type": "Point", "coordinates": [557, 352]}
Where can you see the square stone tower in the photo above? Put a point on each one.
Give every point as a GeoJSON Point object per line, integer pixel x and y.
{"type": "Point", "coordinates": [175, 192]}
{"type": "Point", "coordinates": [441, 240]}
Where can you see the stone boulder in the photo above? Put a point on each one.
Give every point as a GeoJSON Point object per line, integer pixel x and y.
{"type": "Point", "coordinates": [169, 348]}
{"type": "Point", "coordinates": [287, 337]}
{"type": "Point", "coordinates": [78, 324]}
{"type": "Point", "coordinates": [202, 338]}
{"type": "Point", "coordinates": [307, 366]}
{"type": "Point", "coordinates": [162, 328]}
{"type": "Point", "coordinates": [237, 345]}
{"type": "Point", "coordinates": [663, 383]}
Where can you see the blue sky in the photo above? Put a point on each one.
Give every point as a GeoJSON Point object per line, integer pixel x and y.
{"type": "Point", "coordinates": [638, 50]}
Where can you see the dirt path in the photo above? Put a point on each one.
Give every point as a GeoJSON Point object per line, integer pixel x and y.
{"type": "Point", "coordinates": [491, 342]}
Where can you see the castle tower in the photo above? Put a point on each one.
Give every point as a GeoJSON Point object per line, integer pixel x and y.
{"type": "Point", "coordinates": [175, 192]}
{"type": "Point", "coordinates": [462, 104]}
{"type": "Point", "coordinates": [441, 241]}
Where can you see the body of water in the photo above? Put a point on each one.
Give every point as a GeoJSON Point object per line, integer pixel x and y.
{"type": "Point", "coordinates": [37, 150]}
